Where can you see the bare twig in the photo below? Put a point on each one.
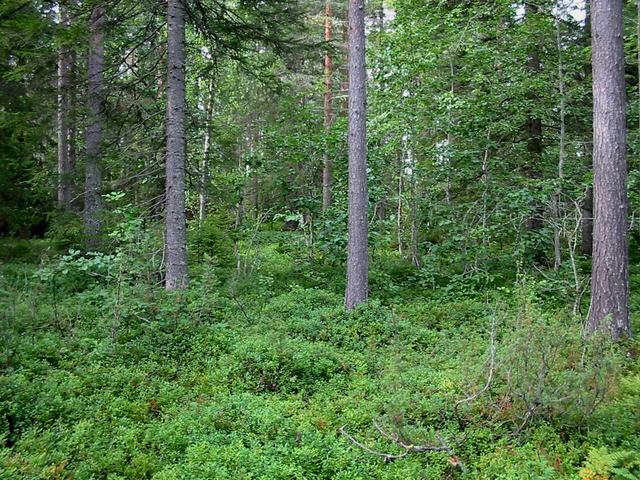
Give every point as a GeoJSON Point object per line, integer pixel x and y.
{"type": "Point", "coordinates": [240, 306]}
{"type": "Point", "coordinates": [387, 457]}
{"type": "Point", "coordinates": [407, 446]}
{"type": "Point", "coordinates": [454, 460]}
{"type": "Point", "coordinates": [492, 367]}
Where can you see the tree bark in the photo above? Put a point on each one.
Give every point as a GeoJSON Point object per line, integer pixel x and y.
{"type": "Point", "coordinates": [357, 247]}
{"type": "Point", "coordinates": [65, 162]}
{"type": "Point", "coordinates": [177, 276]}
{"type": "Point", "coordinates": [93, 173]}
{"type": "Point", "coordinates": [327, 168]}
{"type": "Point", "coordinates": [609, 309]}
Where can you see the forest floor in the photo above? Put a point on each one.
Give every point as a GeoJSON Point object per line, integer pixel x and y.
{"type": "Point", "coordinates": [111, 377]}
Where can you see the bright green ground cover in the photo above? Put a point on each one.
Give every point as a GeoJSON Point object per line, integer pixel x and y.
{"type": "Point", "coordinates": [112, 378]}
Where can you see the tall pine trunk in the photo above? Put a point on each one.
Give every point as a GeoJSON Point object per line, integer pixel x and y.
{"type": "Point", "coordinates": [175, 221]}
{"type": "Point", "coordinates": [357, 246]}
{"type": "Point", "coordinates": [93, 174]}
{"type": "Point", "coordinates": [327, 167]}
{"type": "Point", "coordinates": [609, 309]}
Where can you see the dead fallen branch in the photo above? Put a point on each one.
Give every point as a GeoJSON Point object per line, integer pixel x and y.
{"type": "Point", "coordinates": [408, 446]}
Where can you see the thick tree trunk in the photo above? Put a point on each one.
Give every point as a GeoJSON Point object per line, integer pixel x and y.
{"type": "Point", "coordinates": [175, 222]}
{"type": "Point", "coordinates": [357, 247]}
{"type": "Point", "coordinates": [609, 309]}
{"type": "Point", "coordinates": [65, 165]}
{"type": "Point", "coordinates": [93, 174]}
{"type": "Point", "coordinates": [327, 168]}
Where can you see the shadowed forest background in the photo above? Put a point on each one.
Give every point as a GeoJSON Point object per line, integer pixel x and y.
{"type": "Point", "coordinates": [319, 239]}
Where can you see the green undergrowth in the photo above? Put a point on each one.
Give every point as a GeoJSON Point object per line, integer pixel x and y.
{"type": "Point", "coordinates": [253, 377]}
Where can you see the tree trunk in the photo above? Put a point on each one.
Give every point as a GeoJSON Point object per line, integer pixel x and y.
{"type": "Point", "coordinates": [400, 206]}
{"type": "Point", "coordinates": [242, 170]}
{"type": "Point", "coordinates": [72, 139]}
{"type": "Point", "coordinates": [175, 221]}
{"type": "Point", "coordinates": [255, 194]}
{"type": "Point", "coordinates": [450, 138]}
{"type": "Point", "coordinates": [344, 85]}
{"type": "Point", "coordinates": [586, 244]}
{"type": "Point", "coordinates": [609, 309]}
{"type": "Point", "coordinates": [357, 247]}
{"type": "Point", "coordinates": [586, 227]}
{"type": "Point", "coordinates": [327, 168]}
{"type": "Point", "coordinates": [204, 166]}
{"type": "Point", "coordinates": [535, 149]}
{"type": "Point", "coordinates": [415, 232]}
{"type": "Point", "coordinates": [485, 199]}
{"type": "Point", "coordinates": [557, 197]}
{"type": "Point", "coordinates": [65, 165]}
{"type": "Point", "coordinates": [93, 174]}
{"type": "Point", "coordinates": [255, 180]}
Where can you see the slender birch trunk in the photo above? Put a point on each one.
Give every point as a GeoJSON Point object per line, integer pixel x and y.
{"type": "Point", "coordinates": [206, 153]}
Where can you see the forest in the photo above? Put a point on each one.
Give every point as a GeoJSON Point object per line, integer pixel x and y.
{"type": "Point", "coordinates": [319, 239]}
